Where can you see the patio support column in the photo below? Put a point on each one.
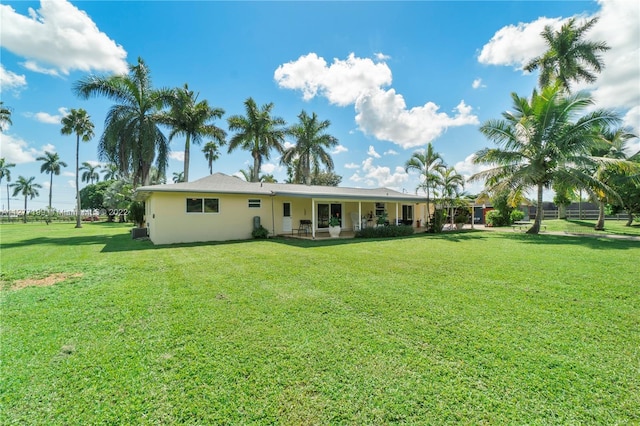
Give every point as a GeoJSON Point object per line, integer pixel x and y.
{"type": "Point", "coordinates": [360, 215]}
{"type": "Point", "coordinates": [313, 218]}
{"type": "Point", "coordinates": [397, 213]}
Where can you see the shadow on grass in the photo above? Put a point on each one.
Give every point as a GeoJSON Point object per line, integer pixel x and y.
{"type": "Point", "coordinates": [123, 242]}
{"type": "Point", "coordinates": [598, 242]}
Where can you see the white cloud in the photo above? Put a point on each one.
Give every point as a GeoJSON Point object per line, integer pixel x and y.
{"type": "Point", "coordinates": [11, 81]}
{"type": "Point", "coordinates": [177, 155]}
{"type": "Point", "coordinates": [17, 150]}
{"type": "Point", "coordinates": [372, 152]}
{"type": "Point", "coordinates": [45, 117]}
{"type": "Point", "coordinates": [268, 168]}
{"type": "Point", "coordinates": [69, 174]}
{"type": "Point", "coordinates": [48, 147]}
{"type": "Point", "coordinates": [467, 168]}
{"type": "Point", "coordinates": [72, 184]}
{"type": "Point", "coordinates": [477, 84]}
{"type": "Point", "coordinates": [390, 152]}
{"type": "Point", "coordinates": [515, 45]}
{"type": "Point", "coordinates": [35, 67]}
{"type": "Point", "coordinates": [382, 176]}
{"type": "Point", "coordinates": [618, 25]}
{"type": "Point", "coordinates": [341, 83]}
{"type": "Point", "coordinates": [351, 166]}
{"type": "Point", "coordinates": [60, 36]}
{"type": "Point", "coordinates": [339, 149]}
{"type": "Point", "coordinates": [381, 113]}
{"type": "Point", "coordinates": [381, 56]}
{"type": "Point", "coordinates": [288, 145]}
{"type": "Point", "coordinates": [384, 115]}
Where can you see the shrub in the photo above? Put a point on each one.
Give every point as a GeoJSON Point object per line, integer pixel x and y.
{"type": "Point", "coordinates": [385, 231]}
{"type": "Point", "coordinates": [516, 215]}
{"type": "Point", "coordinates": [437, 221]}
{"type": "Point", "coordinates": [260, 233]}
{"type": "Point", "coordinates": [495, 218]}
{"type": "Point", "coordinates": [136, 213]}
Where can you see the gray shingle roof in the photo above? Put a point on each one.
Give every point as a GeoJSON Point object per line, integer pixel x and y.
{"type": "Point", "coordinates": [219, 183]}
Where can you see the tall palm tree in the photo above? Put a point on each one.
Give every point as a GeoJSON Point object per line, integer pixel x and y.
{"type": "Point", "coordinates": [51, 164]}
{"type": "Point", "coordinates": [27, 188]}
{"type": "Point", "coordinates": [211, 153]}
{"type": "Point", "coordinates": [132, 138]}
{"type": "Point", "coordinates": [178, 177]}
{"type": "Point", "coordinates": [5, 117]}
{"type": "Point", "coordinates": [192, 119]}
{"type": "Point", "coordinates": [570, 57]}
{"type": "Point", "coordinates": [428, 164]}
{"type": "Point", "coordinates": [257, 132]}
{"type": "Point", "coordinates": [609, 147]}
{"type": "Point", "coordinates": [546, 138]}
{"type": "Point", "coordinates": [78, 122]}
{"type": "Point", "coordinates": [6, 173]}
{"type": "Point", "coordinates": [451, 185]}
{"type": "Point", "coordinates": [309, 151]}
{"type": "Point", "coordinates": [110, 172]}
{"type": "Point", "coordinates": [90, 172]}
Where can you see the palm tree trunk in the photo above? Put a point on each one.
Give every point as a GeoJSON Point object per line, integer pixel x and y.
{"type": "Point", "coordinates": [562, 211]}
{"type": "Point", "coordinates": [50, 190]}
{"type": "Point", "coordinates": [185, 176]}
{"type": "Point", "coordinates": [630, 220]}
{"type": "Point", "coordinates": [255, 173]}
{"type": "Point", "coordinates": [25, 209]}
{"type": "Point", "coordinates": [8, 206]}
{"type": "Point", "coordinates": [600, 222]}
{"type": "Point", "coordinates": [78, 223]}
{"type": "Point", "coordinates": [535, 229]}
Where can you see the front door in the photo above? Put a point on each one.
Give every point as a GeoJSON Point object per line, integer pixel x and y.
{"type": "Point", "coordinates": [325, 211]}
{"type": "Point", "coordinates": [286, 218]}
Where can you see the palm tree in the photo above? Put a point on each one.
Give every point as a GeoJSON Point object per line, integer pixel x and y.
{"type": "Point", "coordinates": [52, 165]}
{"type": "Point", "coordinates": [90, 172]}
{"type": "Point", "coordinates": [211, 153]}
{"type": "Point", "coordinates": [309, 152]}
{"type": "Point", "coordinates": [545, 139]}
{"type": "Point", "coordinates": [427, 163]}
{"type": "Point", "coordinates": [569, 57]}
{"type": "Point", "coordinates": [78, 122]}
{"type": "Point", "coordinates": [257, 132]}
{"type": "Point", "coordinates": [27, 188]}
{"type": "Point", "coordinates": [5, 116]}
{"type": "Point", "coordinates": [610, 146]}
{"type": "Point", "coordinates": [110, 172]}
{"type": "Point", "coordinates": [192, 119]}
{"type": "Point", "coordinates": [131, 137]}
{"type": "Point", "coordinates": [5, 172]}
{"type": "Point", "coordinates": [178, 177]}
{"type": "Point", "coordinates": [451, 185]}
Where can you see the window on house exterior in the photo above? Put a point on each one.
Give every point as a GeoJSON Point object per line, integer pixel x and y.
{"type": "Point", "coordinates": [211, 205]}
{"type": "Point", "coordinates": [255, 203]}
{"type": "Point", "coordinates": [407, 212]}
{"type": "Point", "coordinates": [379, 209]}
{"type": "Point", "coordinates": [203, 205]}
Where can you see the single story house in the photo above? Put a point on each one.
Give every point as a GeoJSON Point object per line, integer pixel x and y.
{"type": "Point", "coordinates": [220, 207]}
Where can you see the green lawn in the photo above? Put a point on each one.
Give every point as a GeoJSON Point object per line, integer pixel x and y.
{"type": "Point", "coordinates": [471, 328]}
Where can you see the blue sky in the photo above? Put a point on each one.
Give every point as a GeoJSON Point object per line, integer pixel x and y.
{"type": "Point", "coordinates": [389, 76]}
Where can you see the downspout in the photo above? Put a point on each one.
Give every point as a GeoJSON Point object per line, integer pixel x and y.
{"type": "Point", "coordinates": [313, 218]}
{"type": "Point", "coordinates": [273, 219]}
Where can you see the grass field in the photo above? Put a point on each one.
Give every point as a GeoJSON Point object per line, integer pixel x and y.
{"type": "Point", "coordinates": [471, 328]}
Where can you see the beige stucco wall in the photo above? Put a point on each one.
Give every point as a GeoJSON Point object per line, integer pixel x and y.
{"type": "Point", "coordinates": [169, 223]}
